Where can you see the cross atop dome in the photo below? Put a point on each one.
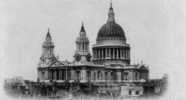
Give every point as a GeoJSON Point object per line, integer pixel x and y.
{"type": "Point", "coordinates": [111, 4]}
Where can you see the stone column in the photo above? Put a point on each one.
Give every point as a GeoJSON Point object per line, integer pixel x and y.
{"type": "Point", "coordinates": [46, 75]}
{"type": "Point", "coordinates": [59, 74]}
{"type": "Point", "coordinates": [117, 50]}
{"type": "Point", "coordinates": [126, 54]}
{"type": "Point", "coordinates": [132, 75]}
{"type": "Point", "coordinates": [103, 76]}
{"type": "Point", "coordinates": [116, 55]}
{"type": "Point", "coordinates": [72, 74]}
{"type": "Point", "coordinates": [113, 53]}
{"type": "Point", "coordinates": [83, 76]}
{"type": "Point", "coordinates": [49, 76]}
{"type": "Point", "coordinates": [129, 53]}
{"type": "Point", "coordinates": [106, 52]}
{"type": "Point", "coordinates": [55, 75]}
{"type": "Point", "coordinates": [108, 76]}
{"type": "Point", "coordinates": [118, 76]}
{"type": "Point", "coordinates": [96, 54]}
{"type": "Point", "coordinates": [120, 53]}
{"type": "Point", "coordinates": [92, 75]}
{"type": "Point", "coordinates": [138, 75]}
{"type": "Point", "coordinates": [129, 75]}
{"type": "Point", "coordinates": [99, 53]}
{"type": "Point", "coordinates": [96, 77]}
{"type": "Point", "coordinates": [109, 53]}
{"type": "Point", "coordinates": [62, 75]}
{"type": "Point", "coordinates": [102, 53]}
{"type": "Point", "coordinates": [123, 53]}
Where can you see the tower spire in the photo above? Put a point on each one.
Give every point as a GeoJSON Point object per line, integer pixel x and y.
{"type": "Point", "coordinates": [111, 13]}
{"type": "Point", "coordinates": [82, 27]}
{"type": "Point", "coordinates": [48, 36]}
{"type": "Point", "coordinates": [48, 30]}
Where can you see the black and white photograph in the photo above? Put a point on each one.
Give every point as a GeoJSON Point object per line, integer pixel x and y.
{"type": "Point", "coordinates": [93, 49]}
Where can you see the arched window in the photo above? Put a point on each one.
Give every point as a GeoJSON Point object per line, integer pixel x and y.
{"type": "Point", "coordinates": [130, 92]}
{"type": "Point", "coordinates": [112, 75]}
{"type": "Point", "coordinates": [137, 92]}
{"type": "Point", "coordinates": [106, 75]}
{"type": "Point", "coordinates": [125, 75]}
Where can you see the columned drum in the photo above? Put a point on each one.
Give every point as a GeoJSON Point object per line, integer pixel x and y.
{"type": "Point", "coordinates": [112, 54]}
{"type": "Point", "coordinates": [111, 43]}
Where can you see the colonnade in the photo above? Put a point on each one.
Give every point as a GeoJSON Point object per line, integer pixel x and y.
{"type": "Point", "coordinates": [82, 46]}
{"type": "Point", "coordinates": [57, 75]}
{"type": "Point", "coordinates": [94, 75]}
{"type": "Point", "coordinates": [111, 53]}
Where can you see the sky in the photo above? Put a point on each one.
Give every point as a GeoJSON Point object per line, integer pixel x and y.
{"type": "Point", "coordinates": [154, 29]}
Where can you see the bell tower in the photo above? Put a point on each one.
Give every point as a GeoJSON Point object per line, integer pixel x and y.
{"type": "Point", "coordinates": [47, 56]}
{"type": "Point", "coordinates": [82, 52]}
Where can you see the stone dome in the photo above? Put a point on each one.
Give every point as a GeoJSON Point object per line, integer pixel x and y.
{"type": "Point", "coordinates": [111, 30]}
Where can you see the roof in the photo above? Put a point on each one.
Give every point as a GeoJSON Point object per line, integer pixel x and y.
{"type": "Point", "coordinates": [111, 30]}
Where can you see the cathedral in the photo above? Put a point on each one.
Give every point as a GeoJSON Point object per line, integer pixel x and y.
{"type": "Point", "coordinates": [107, 69]}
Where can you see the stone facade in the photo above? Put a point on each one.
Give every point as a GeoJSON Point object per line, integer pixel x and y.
{"type": "Point", "coordinates": [109, 65]}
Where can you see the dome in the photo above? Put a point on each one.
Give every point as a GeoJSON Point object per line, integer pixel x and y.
{"type": "Point", "coordinates": [111, 30]}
